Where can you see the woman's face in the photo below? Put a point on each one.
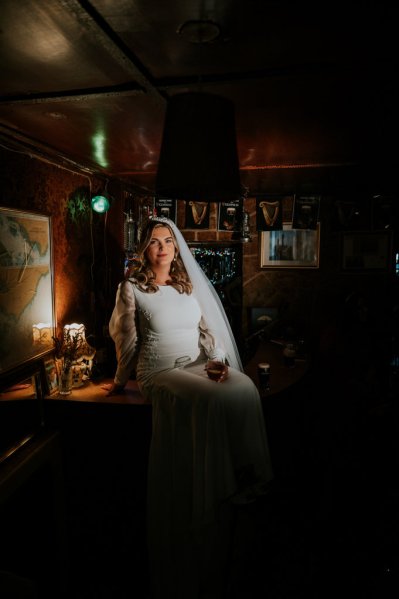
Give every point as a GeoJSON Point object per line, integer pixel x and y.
{"type": "Point", "coordinates": [161, 249]}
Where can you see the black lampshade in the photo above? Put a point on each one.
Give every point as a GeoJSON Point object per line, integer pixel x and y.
{"type": "Point", "coordinates": [198, 158]}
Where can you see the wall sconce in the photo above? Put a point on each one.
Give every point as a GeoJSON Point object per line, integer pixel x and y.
{"type": "Point", "coordinates": [101, 202]}
{"type": "Point", "coordinates": [198, 158]}
{"type": "Point", "coordinates": [42, 333]}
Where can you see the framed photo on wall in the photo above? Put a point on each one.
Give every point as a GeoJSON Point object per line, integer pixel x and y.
{"type": "Point", "coordinates": [351, 214]}
{"type": "Point", "coordinates": [273, 210]}
{"type": "Point", "coordinates": [269, 214]}
{"type": "Point", "coordinates": [290, 248]}
{"type": "Point", "coordinates": [26, 281]}
{"type": "Point", "coordinates": [166, 207]}
{"type": "Point", "coordinates": [229, 216]}
{"type": "Point", "coordinates": [366, 251]}
{"type": "Point", "coordinates": [385, 213]}
{"type": "Point", "coordinates": [197, 215]}
{"type": "Point", "coordinates": [306, 212]}
{"type": "Point", "coordinates": [51, 375]}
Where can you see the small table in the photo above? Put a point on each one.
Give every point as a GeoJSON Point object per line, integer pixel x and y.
{"type": "Point", "coordinates": [281, 376]}
{"type": "Point", "coordinates": [284, 406]}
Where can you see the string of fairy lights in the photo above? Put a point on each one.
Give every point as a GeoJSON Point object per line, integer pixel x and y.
{"type": "Point", "coordinates": [219, 264]}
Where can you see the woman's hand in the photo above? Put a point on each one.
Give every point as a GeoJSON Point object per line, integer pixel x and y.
{"type": "Point", "coordinates": [217, 371]}
{"type": "Point", "coordinates": [112, 389]}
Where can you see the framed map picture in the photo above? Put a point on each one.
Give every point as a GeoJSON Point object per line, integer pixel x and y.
{"type": "Point", "coordinates": [26, 282]}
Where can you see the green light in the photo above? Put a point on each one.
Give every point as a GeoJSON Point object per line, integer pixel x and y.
{"type": "Point", "coordinates": [100, 203]}
{"type": "Point", "coordinates": [98, 141]}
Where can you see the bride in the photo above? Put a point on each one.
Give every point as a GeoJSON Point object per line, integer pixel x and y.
{"type": "Point", "coordinates": [208, 441]}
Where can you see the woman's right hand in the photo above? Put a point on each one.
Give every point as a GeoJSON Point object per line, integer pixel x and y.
{"type": "Point", "coordinates": [216, 370]}
{"type": "Point", "coordinates": [112, 389]}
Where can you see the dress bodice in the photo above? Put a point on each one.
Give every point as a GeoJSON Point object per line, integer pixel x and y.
{"type": "Point", "coordinates": [168, 328]}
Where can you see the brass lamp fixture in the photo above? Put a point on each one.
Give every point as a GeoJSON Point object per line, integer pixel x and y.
{"type": "Point", "coordinates": [198, 158]}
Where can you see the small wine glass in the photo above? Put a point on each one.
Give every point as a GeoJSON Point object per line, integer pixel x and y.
{"type": "Point", "coordinates": [182, 361]}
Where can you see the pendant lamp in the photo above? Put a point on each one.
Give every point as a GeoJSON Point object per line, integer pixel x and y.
{"type": "Point", "coordinates": [198, 158]}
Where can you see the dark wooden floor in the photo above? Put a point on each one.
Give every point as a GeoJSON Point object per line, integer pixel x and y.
{"type": "Point", "coordinates": [329, 525]}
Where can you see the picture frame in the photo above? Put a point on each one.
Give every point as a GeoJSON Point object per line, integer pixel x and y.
{"type": "Point", "coordinates": [276, 218]}
{"type": "Point", "coordinates": [290, 248]}
{"type": "Point", "coordinates": [197, 215]}
{"type": "Point", "coordinates": [26, 279]}
{"type": "Point", "coordinates": [229, 216]}
{"type": "Point", "coordinates": [385, 213]}
{"type": "Point", "coordinates": [368, 251]}
{"type": "Point", "coordinates": [51, 372]}
{"type": "Point", "coordinates": [350, 213]}
{"type": "Point", "coordinates": [269, 213]}
{"type": "Point", "coordinates": [306, 212]}
{"type": "Point", "coordinates": [261, 318]}
{"type": "Point", "coordinates": [166, 207]}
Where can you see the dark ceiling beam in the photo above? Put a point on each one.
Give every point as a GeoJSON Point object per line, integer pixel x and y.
{"type": "Point", "coordinates": [96, 26]}
{"type": "Point", "coordinates": [12, 139]}
{"type": "Point", "coordinates": [77, 95]}
{"type": "Point", "coordinates": [314, 69]}
{"type": "Point", "coordinates": [133, 89]}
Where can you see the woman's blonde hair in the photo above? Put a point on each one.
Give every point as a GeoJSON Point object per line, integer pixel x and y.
{"type": "Point", "coordinates": [141, 272]}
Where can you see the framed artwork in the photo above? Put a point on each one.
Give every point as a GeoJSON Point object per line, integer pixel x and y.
{"type": "Point", "coordinates": [351, 214]}
{"type": "Point", "coordinates": [290, 248]}
{"type": "Point", "coordinates": [366, 251]}
{"type": "Point", "coordinates": [261, 318]}
{"type": "Point", "coordinates": [269, 213]}
{"type": "Point", "coordinates": [51, 371]}
{"type": "Point", "coordinates": [273, 210]}
{"type": "Point", "coordinates": [306, 212]}
{"type": "Point", "coordinates": [197, 215]}
{"type": "Point", "coordinates": [26, 281]}
{"type": "Point", "coordinates": [166, 207]}
{"type": "Point", "coordinates": [385, 214]}
{"type": "Point", "coordinates": [229, 216]}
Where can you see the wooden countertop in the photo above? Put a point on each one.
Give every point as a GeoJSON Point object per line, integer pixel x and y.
{"type": "Point", "coordinates": [93, 392]}
{"type": "Point", "coordinates": [281, 377]}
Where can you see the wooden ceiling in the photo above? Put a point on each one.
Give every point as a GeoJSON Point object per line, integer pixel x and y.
{"type": "Point", "coordinates": [313, 85]}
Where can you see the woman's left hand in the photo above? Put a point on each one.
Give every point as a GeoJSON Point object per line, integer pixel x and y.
{"type": "Point", "coordinates": [112, 389]}
{"type": "Point", "coordinates": [217, 371]}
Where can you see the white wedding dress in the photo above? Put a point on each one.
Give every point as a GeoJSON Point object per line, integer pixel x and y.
{"type": "Point", "coordinates": [204, 436]}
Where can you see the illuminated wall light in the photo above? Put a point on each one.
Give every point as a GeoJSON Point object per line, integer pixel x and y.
{"type": "Point", "coordinates": [101, 203]}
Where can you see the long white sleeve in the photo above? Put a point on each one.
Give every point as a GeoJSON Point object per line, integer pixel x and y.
{"type": "Point", "coordinates": [208, 342]}
{"type": "Point", "coordinates": [123, 331]}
